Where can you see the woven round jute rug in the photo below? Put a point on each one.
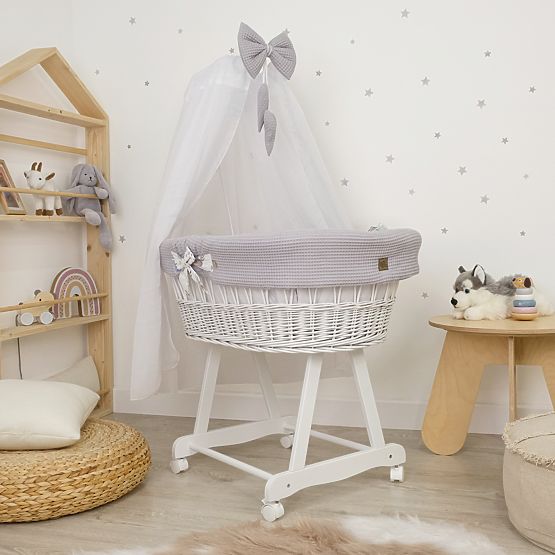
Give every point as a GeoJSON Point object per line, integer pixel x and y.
{"type": "Point", "coordinates": [108, 461]}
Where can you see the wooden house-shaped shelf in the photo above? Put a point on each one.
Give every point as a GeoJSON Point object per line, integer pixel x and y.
{"type": "Point", "coordinates": [93, 119]}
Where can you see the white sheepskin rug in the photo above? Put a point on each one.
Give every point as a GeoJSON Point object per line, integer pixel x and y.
{"type": "Point", "coordinates": [346, 536]}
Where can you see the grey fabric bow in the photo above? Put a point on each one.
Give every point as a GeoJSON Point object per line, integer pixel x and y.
{"type": "Point", "coordinates": [254, 51]}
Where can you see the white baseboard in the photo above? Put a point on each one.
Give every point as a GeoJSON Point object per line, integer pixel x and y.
{"type": "Point", "coordinates": [487, 418]}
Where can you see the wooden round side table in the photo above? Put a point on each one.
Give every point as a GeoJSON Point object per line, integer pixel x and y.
{"type": "Point", "coordinates": [468, 347]}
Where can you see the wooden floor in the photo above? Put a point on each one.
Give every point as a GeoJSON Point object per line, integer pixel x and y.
{"type": "Point", "coordinates": [465, 488]}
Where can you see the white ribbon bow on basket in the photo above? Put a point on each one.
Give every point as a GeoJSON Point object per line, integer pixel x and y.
{"type": "Point", "coordinates": [184, 265]}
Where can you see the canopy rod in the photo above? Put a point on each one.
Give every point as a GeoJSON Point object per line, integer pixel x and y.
{"type": "Point", "coordinates": [40, 192]}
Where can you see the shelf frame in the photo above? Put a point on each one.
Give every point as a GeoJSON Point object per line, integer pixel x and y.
{"type": "Point", "coordinates": [94, 120]}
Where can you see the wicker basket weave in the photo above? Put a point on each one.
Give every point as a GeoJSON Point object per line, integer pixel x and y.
{"type": "Point", "coordinates": [294, 328]}
{"type": "Point", "coordinates": [108, 461]}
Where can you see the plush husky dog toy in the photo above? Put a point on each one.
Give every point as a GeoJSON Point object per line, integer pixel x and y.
{"type": "Point", "coordinates": [480, 297]}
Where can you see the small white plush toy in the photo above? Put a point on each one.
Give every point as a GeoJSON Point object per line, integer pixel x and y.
{"type": "Point", "coordinates": [44, 204]}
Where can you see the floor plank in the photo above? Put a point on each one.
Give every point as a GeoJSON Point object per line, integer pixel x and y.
{"type": "Point", "coordinates": [465, 488]}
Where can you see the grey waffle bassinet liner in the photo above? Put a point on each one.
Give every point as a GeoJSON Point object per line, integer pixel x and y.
{"type": "Point", "coordinates": [320, 258]}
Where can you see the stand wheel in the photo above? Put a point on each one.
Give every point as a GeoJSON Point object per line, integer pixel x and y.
{"type": "Point", "coordinates": [272, 511]}
{"type": "Point", "coordinates": [286, 441]}
{"type": "Point", "coordinates": [179, 465]}
{"type": "Point", "coordinates": [397, 473]}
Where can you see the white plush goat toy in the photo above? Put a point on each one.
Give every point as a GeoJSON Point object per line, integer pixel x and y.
{"type": "Point", "coordinates": [44, 204]}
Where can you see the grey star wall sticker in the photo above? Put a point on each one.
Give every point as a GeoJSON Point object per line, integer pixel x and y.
{"type": "Point", "coordinates": [147, 83]}
{"type": "Point", "coordinates": [411, 192]}
{"type": "Point", "coordinates": [327, 123]}
{"type": "Point", "coordinates": [523, 233]}
{"type": "Point", "coordinates": [231, 50]}
{"type": "Point", "coordinates": [487, 54]}
{"type": "Point", "coordinates": [526, 176]}
{"type": "Point", "coordinates": [481, 103]}
{"type": "Point", "coordinates": [128, 147]}
{"type": "Point", "coordinates": [368, 92]}
{"type": "Point", "coordinates": [405, 13]}
{"type": "Point", "coordinates": [462, 170]}
{"type": "Point", "coordinates": [532, 89]}
{"type": "Point", "coordinates": [352, 41]}
{"type": "Point", "coordinates": [444, 230]}
{"type": "Point", "coordinates": [425, 82]}
{"type": "Point", "coordinates": [505, 140]}
{"type": "Point", "coordinates": [425, 295]}
{"type": "Point", "coordinates": [484, 199]}
{"type": "Point", "coordinates": [122, 239]}
{"type": "Point", "coordinates": [389, 158]}
{"type": "Point", "coordinates": [318, 73]}
{"type": "Point", "coordinates": [180, 31]}
{"type": "Point", "coordinates": [97, 72]}
{"type": "Point", "coordinates": [132, 20]}
{"type": "Point", "coordinates": [437, 135]}
{"type": "Point", "coordinates": [345, 182]}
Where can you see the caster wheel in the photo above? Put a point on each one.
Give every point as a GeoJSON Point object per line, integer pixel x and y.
{"type": "Point", "coordinates": [286, 441]}
{"type": "Point", "coordinates": [397, 473]}
{"type": "Point", "coordinates": [179, 465]}
{"type": "Point", "coordinates": [272, 511]}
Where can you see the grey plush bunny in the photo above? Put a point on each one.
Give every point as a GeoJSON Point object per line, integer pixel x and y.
{"type": "Point", "coordinates": [89, 179]}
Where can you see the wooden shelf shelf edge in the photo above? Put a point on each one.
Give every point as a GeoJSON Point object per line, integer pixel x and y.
{"type": "Point", "coordinates": [7, 334]}
{"type": "Point", "coordinates": [44, 219]}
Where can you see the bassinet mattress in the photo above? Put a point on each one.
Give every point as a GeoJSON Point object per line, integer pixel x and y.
{"type": "Point", "coordinates": [305, 259]}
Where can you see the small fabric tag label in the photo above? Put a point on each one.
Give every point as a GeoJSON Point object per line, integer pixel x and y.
{"type": "Point", "coordinates": [383, 264]}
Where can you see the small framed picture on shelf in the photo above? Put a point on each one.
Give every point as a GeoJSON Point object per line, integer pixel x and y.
{"type": "Point", "coordinates": [11, 202]}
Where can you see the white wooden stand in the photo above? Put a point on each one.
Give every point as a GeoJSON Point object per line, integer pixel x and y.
{"type": "Point", "coordinates": [297, 434]}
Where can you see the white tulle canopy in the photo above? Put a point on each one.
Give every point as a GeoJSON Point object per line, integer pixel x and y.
{"type": "Point", "coordinates": [219, 179]}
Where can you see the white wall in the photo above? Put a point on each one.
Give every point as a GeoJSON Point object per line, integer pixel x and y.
{"type": "Point", "coordinates": [356, 45]}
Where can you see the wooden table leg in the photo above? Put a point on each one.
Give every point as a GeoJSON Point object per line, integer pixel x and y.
{"type": "Point", "coordinates": [512, 380]}
{"type": "Point", "coordinates": [455, 388]}
{"type": "Point", "coordinates": [539, 351]}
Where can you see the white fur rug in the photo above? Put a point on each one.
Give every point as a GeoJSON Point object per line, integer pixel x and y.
{"type": "Point", "coordinates": [350, 535]}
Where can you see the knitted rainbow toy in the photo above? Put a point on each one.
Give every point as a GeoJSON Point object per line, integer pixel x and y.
{"type": "Point", "coordinates": [524, 304]}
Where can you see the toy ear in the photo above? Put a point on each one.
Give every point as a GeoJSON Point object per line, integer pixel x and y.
{"type": "Point", "coordinates": [37, 291]}
{"type": "Point", "coordinates": [101, 182]}
{"type": "Point", "coordinates": [50, 176]}
{"type": "Point", "coordinates": [527, 282]}
{"type": "Point", "coordinates": [25, 174]}
{"type": "Point", "coordinates": [480, 273]}
{"type": "Point", "coordinates": [76, 174]}
{"type": "Point", "coordinates": [39, 167]}
{"type": "Point", "coordinates": [461, 270]}
{"type": "Point", "coordinates": [34, 166]}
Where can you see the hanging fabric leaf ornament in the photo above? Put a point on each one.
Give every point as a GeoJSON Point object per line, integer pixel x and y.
{"type": "Point", "coordinates": [263, 104]}
{"type": "Point", "coordinates": [254, 51]}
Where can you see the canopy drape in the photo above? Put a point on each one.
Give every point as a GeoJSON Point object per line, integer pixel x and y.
{"type": "Point", "coordinates": [219, 179]}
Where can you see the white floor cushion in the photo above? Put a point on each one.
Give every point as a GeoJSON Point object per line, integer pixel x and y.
{"type": "Point", "coordinates": [42, 414]}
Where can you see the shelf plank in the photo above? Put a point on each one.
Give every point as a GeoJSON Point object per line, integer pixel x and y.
{"type": "Point", "coordinates": [42, 111]}
{"type": "Point", "coordinates": [42, 144]}
{"type": "Point", "coordinates": [7, 334]}
{"type": "Point", "coordinates": [33, 218]}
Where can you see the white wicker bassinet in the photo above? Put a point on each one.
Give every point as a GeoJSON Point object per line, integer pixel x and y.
{"type": "Point", "coordinates": [303, 292]}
